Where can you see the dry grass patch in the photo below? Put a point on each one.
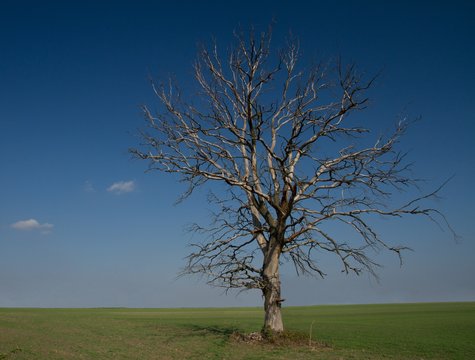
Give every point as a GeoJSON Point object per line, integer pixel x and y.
{"type": "Point", "coordinates": [286, 339]}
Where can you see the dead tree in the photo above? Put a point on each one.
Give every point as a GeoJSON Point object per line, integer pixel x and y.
{"type": "Point", "coordinates": [290, 159]}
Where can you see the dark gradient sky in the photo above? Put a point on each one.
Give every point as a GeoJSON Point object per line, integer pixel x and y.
{"type": "Point", "coordinates": [73, 75]}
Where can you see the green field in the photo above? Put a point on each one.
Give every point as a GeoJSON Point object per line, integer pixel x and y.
{"type": "Point", "coordinates": [396, 331]}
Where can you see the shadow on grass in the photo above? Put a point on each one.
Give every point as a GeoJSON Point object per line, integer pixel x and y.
{"type": "Point", "coordinates": [10, 353]}
{"type": "Point", "coordinates": [224, 331]}
{"type": "Point", "coordinates": [287, 339]}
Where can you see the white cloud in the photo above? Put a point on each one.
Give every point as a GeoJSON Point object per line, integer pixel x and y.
{"type": "Point", "coordinates": [88, 187]}
{"type": "Point", "coordinates": [32, 224]}
{"type": "Point", "coordinates": [122, 187]}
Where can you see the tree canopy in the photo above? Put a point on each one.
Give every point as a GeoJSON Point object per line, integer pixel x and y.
{"type": "Point", "coordinates": [282, 141]}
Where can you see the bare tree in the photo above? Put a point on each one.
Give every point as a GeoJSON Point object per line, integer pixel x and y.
{"type": "Point", "coordinates": [291, 159]}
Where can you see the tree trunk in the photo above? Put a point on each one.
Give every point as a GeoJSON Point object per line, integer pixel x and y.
{"type": "Point", "coordinates": [271, 291]}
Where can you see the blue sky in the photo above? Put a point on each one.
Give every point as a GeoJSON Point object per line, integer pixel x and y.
{"type": "Point", "coordinates": [81, 224]}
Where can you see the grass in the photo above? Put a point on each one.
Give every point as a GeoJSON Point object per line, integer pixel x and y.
{"type": "Point", "coordinates": [396, 331]}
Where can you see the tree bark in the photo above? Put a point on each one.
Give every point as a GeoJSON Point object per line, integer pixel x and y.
{"type": "Point", "coordinates": [271, 291]}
